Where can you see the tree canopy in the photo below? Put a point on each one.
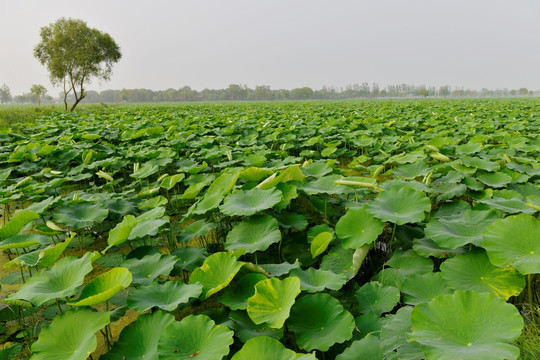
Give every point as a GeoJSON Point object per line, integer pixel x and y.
{"type": "Point", "coordinates": [74, 54]}
{"type": "Point", "coordinates": [38, 91]}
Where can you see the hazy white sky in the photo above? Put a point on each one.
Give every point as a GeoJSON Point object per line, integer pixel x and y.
{"type": "Point", "coordinates": [290, 43]}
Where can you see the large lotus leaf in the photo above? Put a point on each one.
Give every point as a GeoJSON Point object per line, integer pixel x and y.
{"type": "Point", "coordinates": [358, 227]}
{"type": "Point", "coordinates": [22, 241]}
{"type": "Point", "coordinates": [496, 180]}
{"type": "Point", "coordinates": [473, 271]}
{"type": "Point", "coordinates": [216, 192]}
{"type": "Point", "coordinates": [70, 336]}
{"type": "Point", "coordinates": [41, 258]}
{"type": "Point", "coordinates": [148, 227]}
{"type": "Point", "coordinates": [266, 348]}
{"type": "Point", "coordinates": [463, 325]}
{"type": "Point", "coordinates": [19, 220]}
{"type": "Point", "coordinates": [324, 185]}
{"type": "Point", "coordinates": [245, 328]}
{"type": "Point", "coordinates": [514, 241]}
{"type": "Point", "coordinates": [289, 220]}
{"type": "Point", "coordinates": [418, 168]}
{"type": "Point", "coordinates": [288, 193]}
{"type": "Point", "coordinates": [236, 297]}
{"type": "Point", "coordinates": [422, 287]}
{"type": "Point", "coordinates": [145, 171]}
{"type": "Point", "coordinates": [273, 300]}
{"type": "Point", "coordinates": [400, 205]}
{"type": "Point", "coordinates": [167, 296]}
{"type": "Point", "coordinates": [10, 351]}
{"type": "Point", "coordinates": [170, 181]}
{"type": "Point", "coordinates": [403, 265]}
{"type": "Point", "coordinates": [316, 230]}
{"type": "Point", "coordinates": [57, 282]}
{"type": "Point", "coordinates": [140, 339]}
{"type": "Point", "coordinates": [319, 321]}
{"type": "Point", "coordinates": [368, 323]}
{"type": "Point", "coordinates": [81, 214]}
{"type": "Point", "coordinates": [454, 232]}
{"type": "Point", "coordinates": [189, 258]}
{"type": "Point", "coordinates": [120, 207]}
{"type": "Point", "coordinates": [427, 247]}
{"type": "Point", "coordinates": [249, 202]}
{"type": "Point", "coordinates": [103, 287]}
{"type": "Point", "coordinates": [344, 261]}
{"type": "Point", "coordinates": [394, 337]}
{"type": "Point", "coordinates": [195, 229]}
{"type": "Point", "coordinates": [148, 268]}
{"type": "Point", "coordinates": [367, 348]}
{"type": "Point", "coordinates": [120, 233]}
{"type": "Point", "coordinates": [320, 243]}
{"type": "Point", "coordinates": [509, 201]}
{"type": "Point", "coordinates": [377, 298]}
{"type": "Point", "coordinates": [153, 202]}
{"type": "Point", "coordinates": [255, 174]}
{"type": "Point", "coordinates": [279, 269]}
{"type": "Point", "coordinates": [312, 280]}
{"type": "Point", "coordinates": [254, 234]}
{"type": "Point", "coordinates": [318, 169]}
{"type": "Point", "coordinates": [196, 336]}
{"type": "Point", "coordinates": [216, 273]}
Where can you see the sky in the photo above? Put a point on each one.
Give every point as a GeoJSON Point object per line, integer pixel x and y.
{"type": "Point", "coordinates": [289, 43]}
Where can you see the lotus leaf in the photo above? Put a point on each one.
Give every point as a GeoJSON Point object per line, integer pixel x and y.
{"type": "Point", "coordinates": [273, 300]}
{"type": "Point", "coordinates": [324, 185]}
{"type": "Point", "coordinates": [509, 201]}
{"type": "Point", "coordinates": [216, 192]}
{"type": "Point", "coordinates": [319, 321]}
{"type": "Point", "coordinates": [279, 269]}
{"type": "Point", "coordinates": [80, 215]}
{"type": "Point", "coordinates": [377, 298]}
{"type": "Point", "coordinates": [145, 228]}
{"type": "Point", "coordinates": [195, 229]}
{"type": "Point", "coordinates": [140, 339]}
{"type": "Point", "coordinates": [148, 268]}
{"type": "Point", "coordinates": [189, 258]}
{"type": "Point", "coordinates": [320, 243]}
{"type": "Point", "coordinates": [514, 241]}
{"type": "Point", "coordinates": [462, 325]}
{"type": "Point", "coordinates": [195, 336]}
{"type": "Point", "coordinates": [266, 348]}
{"type": "Point", "coordinates": [103, 287]}
{"type": "Point", "coordinates": [145, 171]}
{"type": "Point", "coordinates": [367, 348]}
{"type": "Point", "coordinates": [41, 258]}
{"type": "Point", "coordinates": [245, 329]}
{"type": "Point", "coordinates": [394, 340]}
{"type": "Point", "coordinates": [254, 234]}
{"type": "Point", "coordinates": [400, 205]}
{"type": "Point", "coordinates": [216, 273]}
{"type": "Point", "coordinates": [236, 297]}
{"type": "Point", "coordinates": [121, 231]}
{"type": "Point", "coordinates": [70, 336]}
{"type": "Point", "coordinates": [312, 280]}
{"type": "Point", "coordinates": [59, 281]}
{"type": "Point", "coordinates": [357, 228]}
{"type": "Point", "coordinates": [10, 351]}
{"type": "Point", "coordinates": [422, 287]}
{"type": "Point", "coordinates": [249, 202]}
{"type": "Point", "coordinates": [22, 241]}
{"type": "Point", "coordinates": [473, 271]}
{"type": "Point", "coordinates": [170, 181]}
{"type": "Point", "coordinates": [167, 296]}
{"type": "Point", "coordinates": [17, 223]}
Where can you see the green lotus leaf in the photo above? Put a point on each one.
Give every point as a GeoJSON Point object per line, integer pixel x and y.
{"type": "Point", "coordinates": [473, 271]}
{"type": "Point", "coordinates": [216, 273]}
{"type": "Point", "coordinates": [288, 193]}
{"type": "Point", "coordinates": [403, 265]}
{"type": "Point", "coordinates": [427, 247]}
{"type": "Point", "coordinates": [279, 269]}
{"type": "Point", "coordinates": [400, 205]}
{"type": "Point", "coordinates": [153, 214]}
{"type": "Point", "coordinates": [153, 202]}
{"type": "Point", "coordinates": [236, 297]}
{"type": "Point", "coordinates": [514, 241]}
{"type": "Point", "coordinates": [457, 231]}
{"type": "Point", "coordinates": [255, 174]}
{"type": "Point", "coordinates": [344, 261]}
{"type": "Point", "coordinates": [196, 336]}
{"type": "Point", "coordinates": [367, 348]}
{"type": "Point", "coordinates": [19, 220]}
{"type": "Point", "coordinates": [317, 169]}
{"type": "Point", "coordinates": [448, 190]}
{"type": "Point", "coordinates": [394, 340]}
{"type": "Point", "coordinates": [167, 296]}
{"type": "Point", "coordinates": [120, 207]}
{"type": "Point", "coordinates": [140, 339]}
{"type": "Point", "coordinates": [10, 351]}
{"type": "Point", "coordinates": [289, 220]}
{"type": "Point", "coordinates": [170, 181]}
{"type": "Point", "coordinates": [377, 298]}
{"type": "Point", "coordinates": [70, 336]}
{"type": "Point", "coordinates": [41, 258]}
{"type": "Point", "coordinates": [245, 329]}
{"type": "Point", "coordinates": [249, 202]}
{"type": "Point", "coordinates": [533, 201]}
{"type": "Point", "coordinates": [410, 171]}
{"type": "Point", "coordinates": [60, 281]}
{"type": "Point", "coordinates": [145, 270]}
{"type": "Point", "coordinates": [145, 171]}
{"type": "Point", "coordinates": [194, 230]}
{"type": "Point", "coordinates": [189, 258]}
{"type": "Point", "coordinates": [273, 300]}
{"type": "Point", "coordinates": [266, 348]}
{"type": "Point", "coordinates": [215, 193]}
{"type": "Point", "coordinates": [81, 214]}
{"type": "Point", "coordinates": [103, 287]}
{"type": "Point", "coordinates": [496, 180]}
{"type": "Point", "coordinates": [320, 243]}
{"type": "Point", "coordinates": [254, 234]}
{"type": "Point", "coordinates": [357, 228]}
{"type": "Point", "coordinates": [462, 325]}
{"type": "Point", "coordinates": [369, 323]}
{"type": "Point", "coordinates": [324, 185]}
{"type": "Point", "coordinates": [23, 241]}
{"type": "Point", "coordinates": [319, 321]}
{"type": "Point", "coordinates": [316, 230]}
{"type": "Point", "coordinates": [147, 228]}
{"type": "Point", "coordinates": [509, 201]}
{"type": "Point", "coordinates": [480, 163]}
{"type": "Point", "coordinates": [120, 233]}
{"type": "Point", "coordinates": [312, 280]}
{"type": "Point", "coordinates": [422, 287]}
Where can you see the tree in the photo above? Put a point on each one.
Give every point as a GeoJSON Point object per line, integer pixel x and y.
{"type": "Point", "coordinates": [74, 54]}
{"type": "Point", "coordinates": [5, 94]}
{"type": "Point", "coordinates": [38, 91]}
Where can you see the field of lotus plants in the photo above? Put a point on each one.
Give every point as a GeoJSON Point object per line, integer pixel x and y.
{"type": "Point", "coordinates": [304, 230]}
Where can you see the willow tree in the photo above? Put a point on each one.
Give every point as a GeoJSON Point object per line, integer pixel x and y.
{"type": "Point", "coordinates": [75, 55]}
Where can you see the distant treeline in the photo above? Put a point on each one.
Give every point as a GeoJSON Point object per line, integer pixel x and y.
{"type": "Point", "coordinates": [235, 92]}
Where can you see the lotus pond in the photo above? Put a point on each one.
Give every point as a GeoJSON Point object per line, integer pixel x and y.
{"type": "Point", "coordinates": [318, 230]}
